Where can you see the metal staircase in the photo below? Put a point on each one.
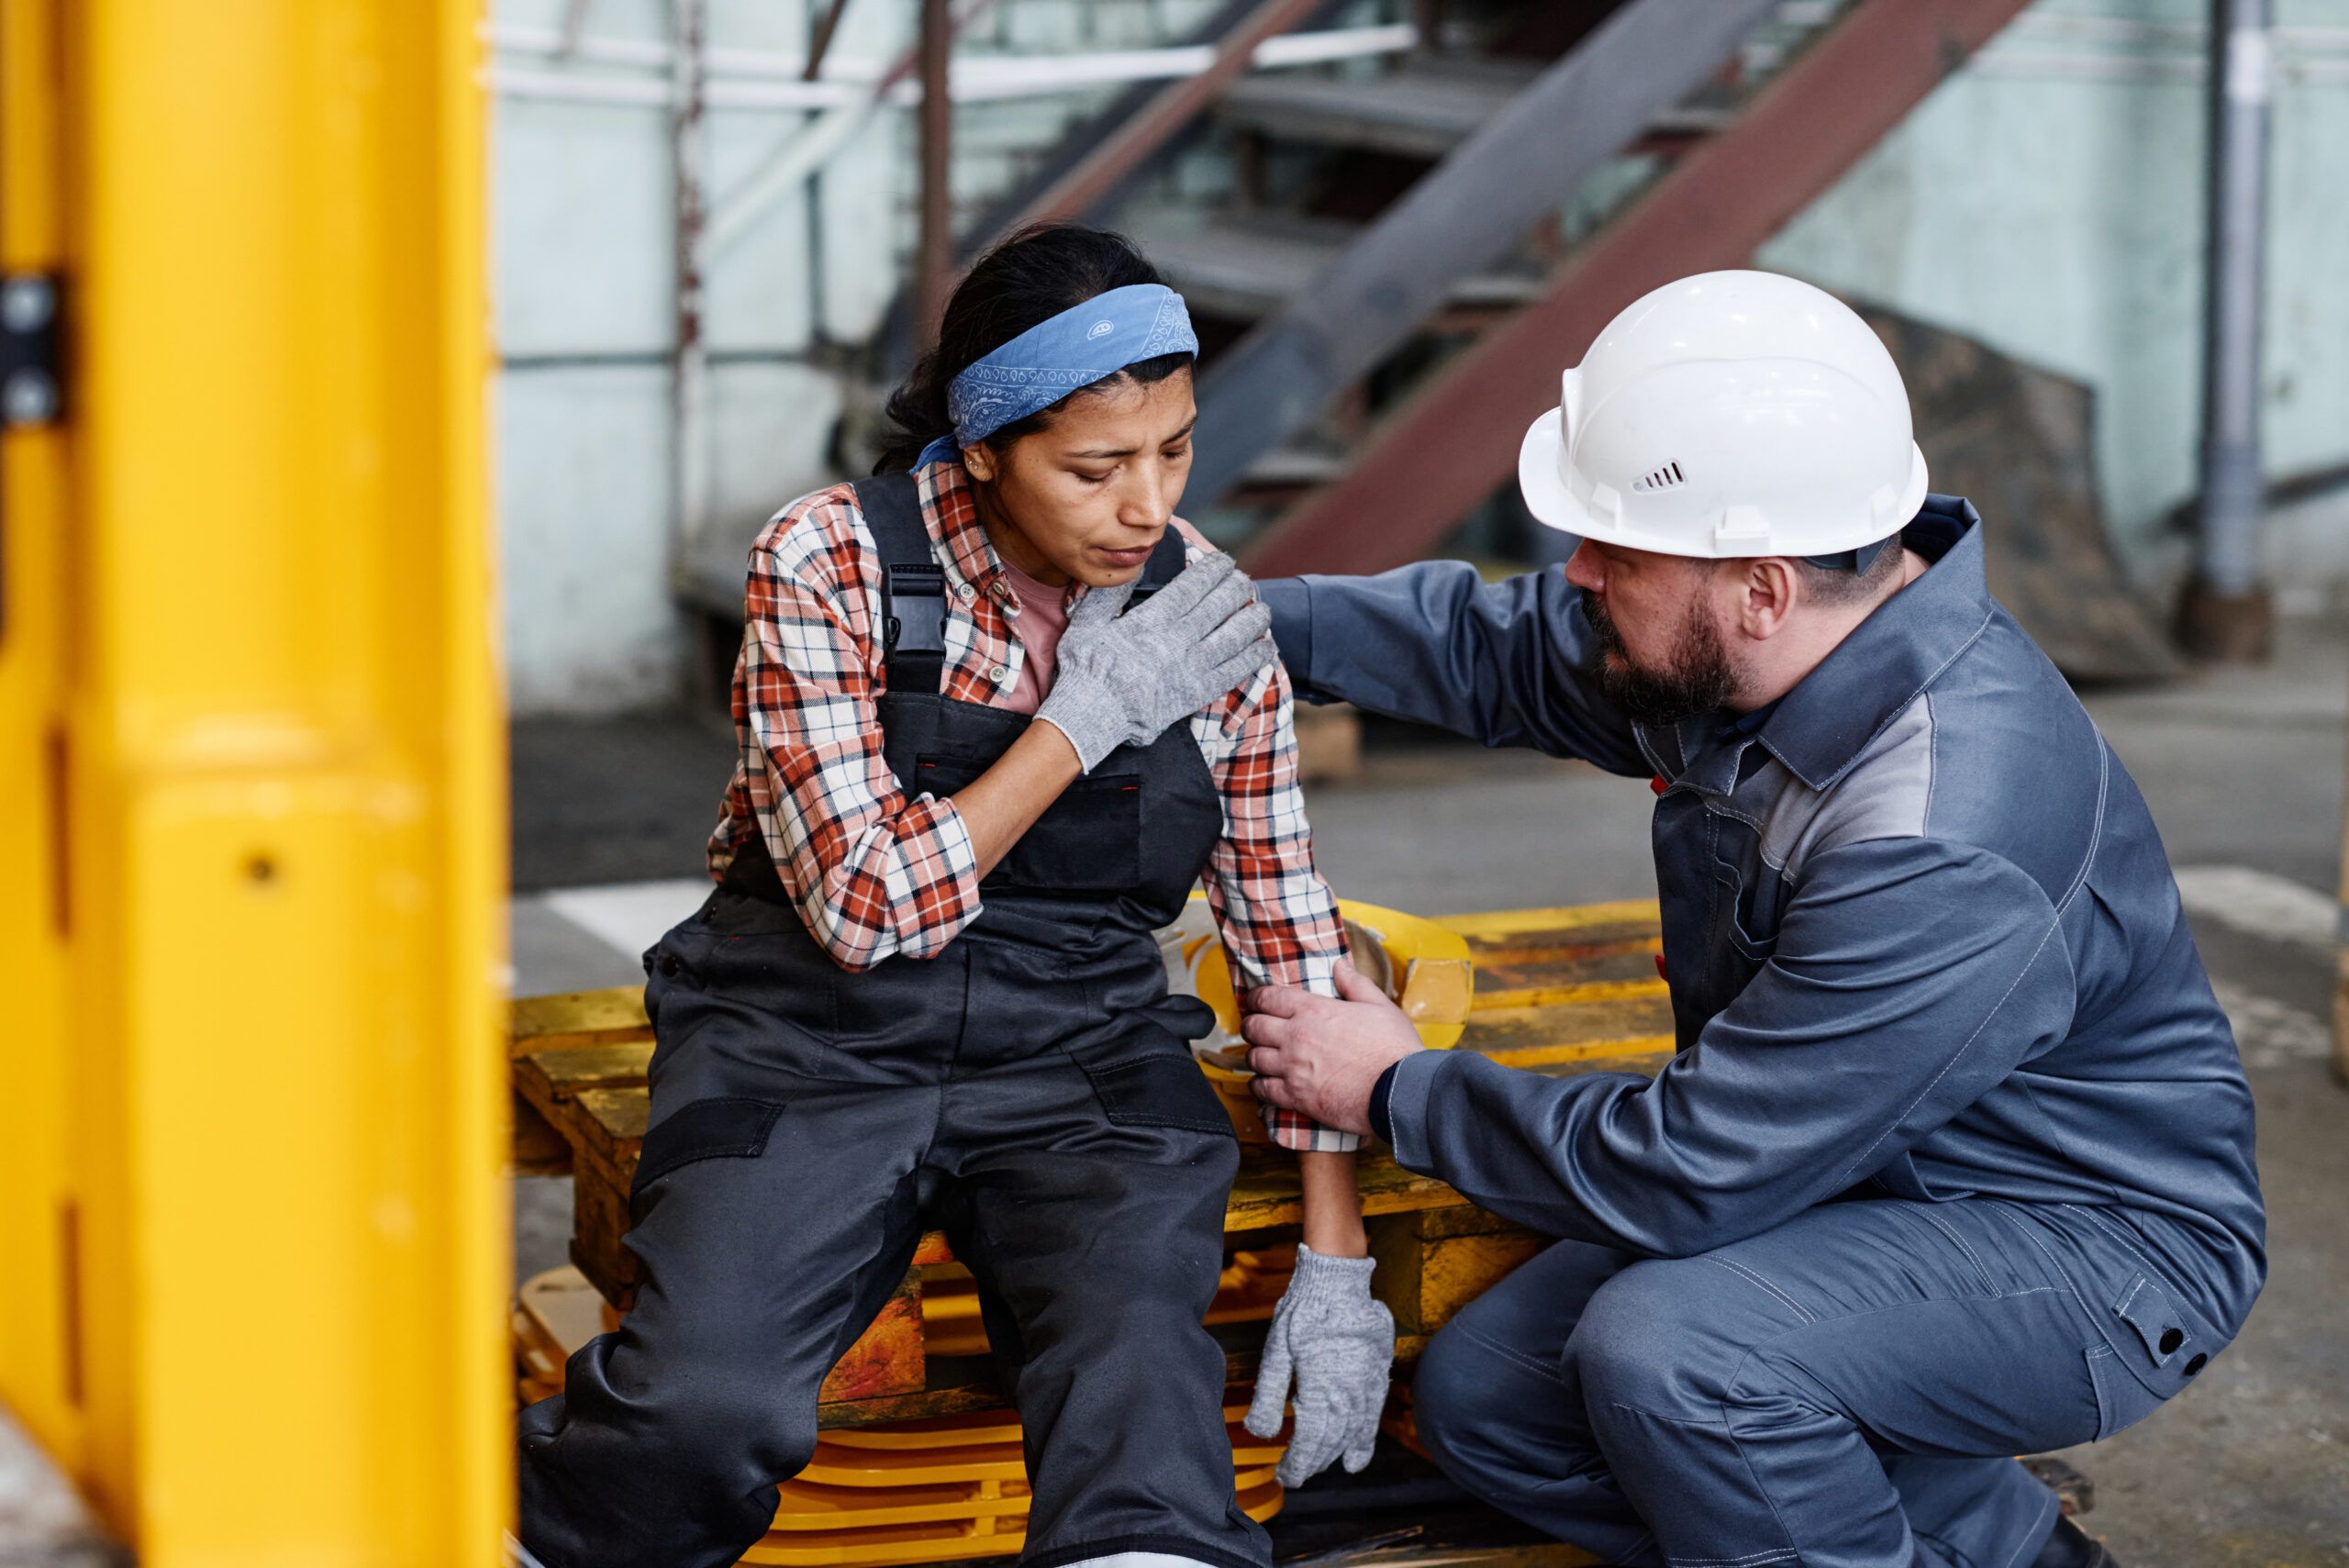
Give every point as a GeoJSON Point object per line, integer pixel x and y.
{"type": "Point", "coordinates": [1410, 257]}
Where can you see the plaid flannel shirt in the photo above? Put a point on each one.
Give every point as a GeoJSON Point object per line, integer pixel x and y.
{"type": "Point", "coordinates": [876, 873]}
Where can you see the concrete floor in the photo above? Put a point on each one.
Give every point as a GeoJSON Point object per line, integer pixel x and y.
{"type": "Point", "coordinates": [2248, 1469]}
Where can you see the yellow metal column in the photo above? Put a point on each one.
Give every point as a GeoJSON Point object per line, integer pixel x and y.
{"type": "Point", "coordinates": [285, 841]}
{"type": "Point", "coordinates": [38, 1365]}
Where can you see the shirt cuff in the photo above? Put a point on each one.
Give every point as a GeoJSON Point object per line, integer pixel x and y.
{"type": "Point", "coordinates": [1379, 1123]}
{"type": "Point", "coordinates": [1302, 1135]}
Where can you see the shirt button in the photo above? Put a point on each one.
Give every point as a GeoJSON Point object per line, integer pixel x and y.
{"type": "Point", "coordinates": [967, 592]}
{"type": "Point", "coordinates": [1000, 674]}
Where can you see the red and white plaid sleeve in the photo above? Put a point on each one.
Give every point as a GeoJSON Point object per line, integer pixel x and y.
{"type": "Point", "coordinates": [873, 872]}
{"type": "Point", "coordinates": [1279, 919]}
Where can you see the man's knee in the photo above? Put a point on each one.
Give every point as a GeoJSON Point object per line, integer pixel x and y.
{"type": "Point", "coordinates": [1655, 1338]}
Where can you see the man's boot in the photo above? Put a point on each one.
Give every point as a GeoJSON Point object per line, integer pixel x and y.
{"type": "Point", "coordinates": [2070, 1547]}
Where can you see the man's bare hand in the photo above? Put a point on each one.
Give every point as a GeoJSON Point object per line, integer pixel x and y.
{"type": "Point", "coordinates": [1323, 1056]}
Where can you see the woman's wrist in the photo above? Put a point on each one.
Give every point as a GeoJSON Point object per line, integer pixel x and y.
{"type": "Point", "coordinates": [1333, 1225]}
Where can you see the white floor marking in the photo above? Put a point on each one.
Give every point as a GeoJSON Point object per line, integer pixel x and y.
{"type": "Point", "coordinates": [2272, 1033]}
{"type": "Point", "coordinates": [2258, 904]}
{"type": "Point", "coordinates": [631, 916]}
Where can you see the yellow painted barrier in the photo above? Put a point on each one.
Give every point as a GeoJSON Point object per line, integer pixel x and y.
{"type": "Point", "coordinates": [40, 1364]}
{"type": "Point", "coordinates": [251, 752]}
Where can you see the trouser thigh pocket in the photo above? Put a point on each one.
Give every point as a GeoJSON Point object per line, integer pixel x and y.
{"type": "Point", "coordinates": [727, 1126]}
{"type": "Point", "coordinates": [1157, 1090]}
{"type": "Point", "coordinates": [2121, 1398]}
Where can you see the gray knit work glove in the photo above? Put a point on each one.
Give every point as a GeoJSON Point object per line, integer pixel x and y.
{"type": "Point", "coordinates": [1341, 1343]}
{"type": "Point", "coordinates": [1127, 677]}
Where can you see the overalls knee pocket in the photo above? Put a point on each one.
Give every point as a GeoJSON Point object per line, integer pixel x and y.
{"type": "Point", "coordinates": [1157, 1084]}
{"type": "Point", "coordinates": [723, 1126]}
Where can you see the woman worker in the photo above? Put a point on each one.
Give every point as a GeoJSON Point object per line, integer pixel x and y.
{"type": "Point", "coordinates": [926, 989]}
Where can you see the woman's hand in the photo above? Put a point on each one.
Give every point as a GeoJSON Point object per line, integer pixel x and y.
{"type": "Point", "coordinates": [1124, 678]}
{"type": "Point", "coordinates": [1339, 1344]}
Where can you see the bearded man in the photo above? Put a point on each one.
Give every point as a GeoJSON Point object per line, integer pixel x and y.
{"type": "Point", "coordinates": [1953, 1162]}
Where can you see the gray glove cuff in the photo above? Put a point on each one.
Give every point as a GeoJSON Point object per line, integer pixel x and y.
{"type": "Point", "coordinates": [1320, 1277]}
{"type": "Point", "coordinates": [1093, 720]}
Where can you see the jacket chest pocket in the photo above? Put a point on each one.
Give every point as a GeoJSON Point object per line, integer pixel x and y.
{"type": "Point", "coordinates": [1748, 894]}
{"type": "Point", "coordinates": [1089, 840]}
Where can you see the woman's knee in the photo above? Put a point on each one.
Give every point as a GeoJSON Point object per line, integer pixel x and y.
{"type": "Point", "coordinates": [703, 1415]}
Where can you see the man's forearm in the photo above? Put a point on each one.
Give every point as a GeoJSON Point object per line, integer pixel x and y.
{"type": "Point", "coordinates": [1504, 664]}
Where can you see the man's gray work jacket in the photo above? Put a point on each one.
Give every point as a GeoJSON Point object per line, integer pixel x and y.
{"type": "Point", "coordinates": [1920, 935]}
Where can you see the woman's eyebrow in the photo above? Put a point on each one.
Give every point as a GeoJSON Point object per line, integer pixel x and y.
{"type": "Point", "coordinates": [1128, 452]}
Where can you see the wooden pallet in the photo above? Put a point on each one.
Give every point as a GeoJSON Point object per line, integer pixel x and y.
{"type": "Point", "coordinates": [1559, 990]}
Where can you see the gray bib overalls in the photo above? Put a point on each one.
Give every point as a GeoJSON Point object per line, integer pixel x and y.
{"type": "Point", "coordinates": [1028, 1090]}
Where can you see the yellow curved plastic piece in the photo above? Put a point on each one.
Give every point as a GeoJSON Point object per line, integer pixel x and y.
{"type": "Point", "coordinates": [1423, 966]}
{"type": "Point", "coordinates": [1437, 981]}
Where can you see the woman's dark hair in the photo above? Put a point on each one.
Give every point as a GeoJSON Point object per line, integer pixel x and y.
{"type": "Point", "coordinates": [1031, 277]}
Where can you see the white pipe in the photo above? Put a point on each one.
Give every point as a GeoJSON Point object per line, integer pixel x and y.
{"type": "Point", "coordinates": [2185, 69]}
{"type": "Point", "coordinates": [984, 79]}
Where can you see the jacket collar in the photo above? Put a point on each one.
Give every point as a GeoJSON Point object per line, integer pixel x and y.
{"type": "Point", "coordinates": [1819, 728]}
{"type": "Point", "coordinates": [953, 514]}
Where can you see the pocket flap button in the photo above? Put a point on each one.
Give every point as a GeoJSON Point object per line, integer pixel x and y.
{"type": "Point", "coordinates": [2172, 1339]}
{"type": "Point", "coordinates": [2196, 1364]}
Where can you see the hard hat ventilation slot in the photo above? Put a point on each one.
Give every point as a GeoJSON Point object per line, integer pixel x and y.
{"type": "Point", "coordinates": [1664, 478]}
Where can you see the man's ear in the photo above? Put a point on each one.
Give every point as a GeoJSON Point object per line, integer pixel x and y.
{"type": "Point", "coordinates": [1768, 591]}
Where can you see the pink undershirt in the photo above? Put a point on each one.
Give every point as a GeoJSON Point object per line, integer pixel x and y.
{"type": "Point", "coordinates": [1044, 615]}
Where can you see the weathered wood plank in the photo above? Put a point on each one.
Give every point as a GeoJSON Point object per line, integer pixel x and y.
{"type": "Point", "coordinates": [1560, 918]}
{"type": "Point", "coordinates": [1507, 973]}
{"type": "Point", "coordinates": [578, 1018]}
{"type": "Point", "coordinates": [567, 1071]}
{"type": "Point", "coordinates": [1558, 1031]}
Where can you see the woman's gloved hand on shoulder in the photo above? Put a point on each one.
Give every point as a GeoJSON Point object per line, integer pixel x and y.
{"type": "Point", "coordinates": [1338, 1342]}
{"type": "Point", "coordinates": [1125, 677]}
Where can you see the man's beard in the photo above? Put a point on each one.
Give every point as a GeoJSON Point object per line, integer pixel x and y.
{"type": "Point", "coordinates": [1697, 678]}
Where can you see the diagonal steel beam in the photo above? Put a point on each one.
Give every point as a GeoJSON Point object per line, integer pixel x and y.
{"type": "Point", "coordinates": [1110, 161]}
{"type": "Point", "coordinates": [1426, 464]}
{"type": "Point", "coordinates": [1462, 216]}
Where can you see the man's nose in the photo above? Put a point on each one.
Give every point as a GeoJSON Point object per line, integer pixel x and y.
{"type": "Point", "coordinates": [1583, 569]}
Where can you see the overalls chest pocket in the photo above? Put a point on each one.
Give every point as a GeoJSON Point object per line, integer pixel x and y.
{"type": "Point", "coordinates": [1089, 840]}
{"type": "Point", "coordinates": [1748, 895]}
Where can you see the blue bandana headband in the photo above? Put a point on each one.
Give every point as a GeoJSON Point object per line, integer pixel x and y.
{"type": "Point", "coordinates": [1053, 359]}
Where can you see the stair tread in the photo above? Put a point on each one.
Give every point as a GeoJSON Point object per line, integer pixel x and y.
{"type": "Point", "coordinates": [1244, 265]}
{"type": "Point", "coordinates": [1424, 107]}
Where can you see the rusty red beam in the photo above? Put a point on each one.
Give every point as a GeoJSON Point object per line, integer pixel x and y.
{"type": "Point", "coordinates": [1432, 460]}
{"type": "Point", "coordinates": [934, 261]}
{"type": "Point", "coordinates": [1106, 167]}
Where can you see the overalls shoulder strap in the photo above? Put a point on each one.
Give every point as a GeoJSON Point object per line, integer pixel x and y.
{"type": "Point", "coordinates": [1165, 565]}
{"type": "Point", "coordinates": [913, 585]}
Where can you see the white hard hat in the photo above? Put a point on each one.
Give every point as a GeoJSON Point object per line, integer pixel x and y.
{"type": "Point", "coordinates": [1729, 414]}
